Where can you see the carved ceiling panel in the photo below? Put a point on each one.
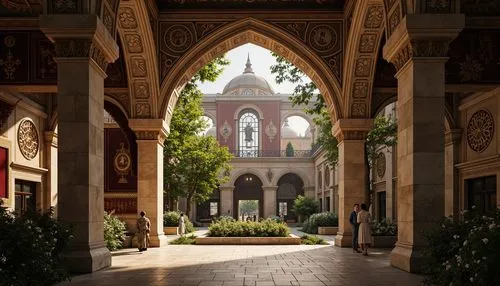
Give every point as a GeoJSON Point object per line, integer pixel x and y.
{"type": "Point", "coordinates": [166, 5]}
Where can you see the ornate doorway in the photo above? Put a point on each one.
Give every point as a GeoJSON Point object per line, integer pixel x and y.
{"type": "Point", "coordinates": [248, 187]}
{"type": "Point", "coordinates": [289, 187]}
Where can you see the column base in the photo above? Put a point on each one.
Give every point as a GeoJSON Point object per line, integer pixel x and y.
{"type": "Point", "coordinates": [159, 240]}
{"type": "Point", "coordinates": [343, 240]}
{"type": "Point", "coordinates": [407, 258]}
{"type": "Point", "coordinates": [88, 260]}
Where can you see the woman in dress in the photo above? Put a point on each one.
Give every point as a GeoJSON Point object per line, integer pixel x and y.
{"type": "Point", "coordinates": [182, 225]}
{"type": "Point", "coordinates": [364, 235]}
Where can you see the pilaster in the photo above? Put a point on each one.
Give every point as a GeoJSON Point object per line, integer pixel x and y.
{"type": "Point", "coordinates": [351, 135]}
{"type": "Point", "coordinates": [150, 134]}
{"type": "Point", "coordinates": [51, 166]}
{"type": "Point", "coordinates": [452, 140]}
{"type": "Point", "coordinates": [270, 203]}
{"type": "Point", "coordinates": [418, 49]}
{"type": "Point", "coordinates": [226, 200]}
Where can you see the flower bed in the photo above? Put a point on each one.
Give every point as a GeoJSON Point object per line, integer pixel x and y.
{"type": "Point", "coordinates": [324, 219]}
{"type": "Point", "coordinates": [264, 228]}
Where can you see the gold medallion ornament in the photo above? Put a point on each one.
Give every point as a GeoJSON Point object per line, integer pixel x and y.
{"type": "Point", "coordinates": [122, 163]}
{"type": "Point", "coordinates": [27, 139]}
{"type": "Point", "coordinates": [480, 130]}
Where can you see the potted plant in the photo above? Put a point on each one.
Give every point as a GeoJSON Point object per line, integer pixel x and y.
{"type": "Point", "coordinates": [384, 233]}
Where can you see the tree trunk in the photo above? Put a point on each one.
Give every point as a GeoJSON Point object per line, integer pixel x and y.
{"type": "Point", "coordinates": [188, 206]}
{"type": "Point", "coordinates": [367, 178]}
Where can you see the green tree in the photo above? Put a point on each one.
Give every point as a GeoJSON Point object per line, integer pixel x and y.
{"type": "Point", "coordinates": [384, 132]}
{"type": "Point", "coordinates": [304, 206]}
{"type": "Point", "coordinates": [249, 206]}
{"type": "Point", "coordinates": [185, 125]}
{"type": "Point", "coordinates": [289, 150]}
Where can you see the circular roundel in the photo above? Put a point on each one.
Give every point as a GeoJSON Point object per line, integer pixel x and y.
{"type": "Point", "coordinates": [122, 162]}
{"type": "Point", "coordinates": [323, 38]}
{"type": "Point", "coordinates": [380, 165]}
{"type": "Point", "coordinates": [178, 38]}
{"type": "Point", "coordinates": [480, 130]}
{"type": "Point", "coordinates": [27, 139]}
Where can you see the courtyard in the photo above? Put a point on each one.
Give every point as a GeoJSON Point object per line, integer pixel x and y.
{"type": "Point", "coordinates": [248, 265]}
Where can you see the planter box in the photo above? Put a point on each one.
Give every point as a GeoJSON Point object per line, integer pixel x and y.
{"type": "Point", "coordinates": [248, 240]}
{"type": "Point", "coordinates": [170, 230]}
{"type": "Point", "coordinates": [384, 241]}
{"type": "Point", "coordinates": [328, 230]}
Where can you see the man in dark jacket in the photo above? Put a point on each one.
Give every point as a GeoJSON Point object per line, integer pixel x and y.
{"type": "Point", "coordinates": [353, 219]}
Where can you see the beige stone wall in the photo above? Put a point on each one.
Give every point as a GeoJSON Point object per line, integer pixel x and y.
{"type": "Point", "coordinates": [30, 169]}
{"type": "Point", "coordinates": [298, 143]}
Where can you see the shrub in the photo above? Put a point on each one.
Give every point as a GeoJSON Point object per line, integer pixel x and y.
{"type": "Point", "coordinates": [171, 219]}
{"type": "Point", "coordinates": [114, 231]}
{"type": "Point", "coordinates": [265, 228]}
{"type": "Point", "coordinates": [305, 206]}
{"type": "Point", "coordinates": [464, 252]}
{"type": "Point", "coordinates": [275, 218]}
{"type": "Point", "coordinates": [31, 247]}
{"type": "Point", "coordinates": [223, 218]}
{"type": "Point", "coordinates": [184, 240]}
{"type": "Point", "coordinates": [321, 219]}
{"type": "Point", "coordinates": [312, 240]}
{"type": "Point", "coordinates": [384, 227]}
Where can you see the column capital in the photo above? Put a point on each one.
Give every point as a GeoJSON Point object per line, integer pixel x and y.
{"type": "Point", "coordinates": [51, 138]}
{"type": "Point", "coordinates": [351, 129]}
{"type": "Point", "coordinates": [150, 129]}
{"type": "Point", "coordinates": [226, 188]}
{"type": "Point", "coordinates": [452, 136]}
{"type": "Point", "coordinates": [422, 36]}
{"type": "Point", "coordinates": [80, 36]}
{"type": "Point", "coordinates": [270, 188]}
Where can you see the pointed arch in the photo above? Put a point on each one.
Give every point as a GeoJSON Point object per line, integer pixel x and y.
{"type": "Point", "coordinates": [254, 31]}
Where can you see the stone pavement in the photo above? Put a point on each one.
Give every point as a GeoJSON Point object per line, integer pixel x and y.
{"type": "Point", "coordinates": [248, 265]}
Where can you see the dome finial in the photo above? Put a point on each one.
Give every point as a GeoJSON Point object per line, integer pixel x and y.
{"type": "Point", "coordinates": [248, 66]}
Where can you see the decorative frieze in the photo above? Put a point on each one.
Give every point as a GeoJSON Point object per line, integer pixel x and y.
{"type": "Point", "coordinates": [150, 135]}
{"type": "Point", "coordinates": [81, 48]}
{"type": "Point", "coordinates": [421, 48]}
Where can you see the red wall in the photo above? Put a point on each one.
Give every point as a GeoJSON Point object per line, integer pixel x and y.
{"type": "Point", "coordinates": [270, 110]}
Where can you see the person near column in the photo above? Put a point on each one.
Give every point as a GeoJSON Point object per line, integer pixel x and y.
{"type": "Point", "coordinates": [143, 228]}
{"type": "Point", "coordinates": [365, 235]}
{"type": "Point", "coordinates": [353, 220]}
{"type": "Point", "coordinates": [182, 225]}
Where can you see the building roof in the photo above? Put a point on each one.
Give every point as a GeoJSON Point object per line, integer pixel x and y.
{"type": "Point", "coordinates": [248, 84]}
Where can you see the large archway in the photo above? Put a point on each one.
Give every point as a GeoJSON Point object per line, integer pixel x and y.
{"type": "Point", "coordinates": [289, 187]}
{"type": "Point", "coordinates": [248, 188]}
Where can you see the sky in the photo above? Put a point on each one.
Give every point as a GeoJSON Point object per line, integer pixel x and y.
{"type": "Point", "coordinates": [261, 62]}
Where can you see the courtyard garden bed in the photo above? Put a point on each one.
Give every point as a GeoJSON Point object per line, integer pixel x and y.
{"type": "Point", "coordinates": [327, 221]}
{"type": "Point", "coordinates": [312, 240]}
{"type": "Point", "coordinates": [384, 234]}
{"type": "Point", "coordinates": [171, 223]}
{"type": "Point", "coordinates": [232, 232]}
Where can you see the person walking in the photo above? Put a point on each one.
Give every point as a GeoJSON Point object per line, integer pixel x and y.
{"type": "Point", "coordinates": [353, 219]}
{"type": "Point", "coordinates": [365, 233]}
{"type": "Point", "coordinates": [143, 228]}
{"type": "Point", "coordinates": [182, 225]}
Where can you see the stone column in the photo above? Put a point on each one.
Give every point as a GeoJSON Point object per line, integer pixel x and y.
{"type": "Point", "coordinates": [226, 200]}
{"type": "Point", "coordinates": [151, 134]}
{"type": "Point", "coordinates": [270, 200]}
{"type": "Point", "coordinates": [51, 165]}
{"type": "Point", "coordinates": [351, 134]}
{"type": "Point", "coordinates": [418, 48]}
{"type": "Point", "coordinates": [83, 50]}
{"type": "Point", "coordinates": [451, 189]}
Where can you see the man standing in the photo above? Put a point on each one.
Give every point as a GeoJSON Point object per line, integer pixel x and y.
{"type": "Point", "coordinates": [353, 219]}
{"type": "Point", "coordinates": [143, 227]}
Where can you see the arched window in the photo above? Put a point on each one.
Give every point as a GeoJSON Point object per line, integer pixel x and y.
{"type": "Point", "coordinates": [248, 139]}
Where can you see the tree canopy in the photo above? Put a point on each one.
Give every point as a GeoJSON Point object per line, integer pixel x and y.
{"type": "Point", "coordinates": [194, 165]}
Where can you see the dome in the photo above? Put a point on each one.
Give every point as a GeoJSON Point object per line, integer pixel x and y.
{"type": "Point", "coordinates": [287, 132]}
{"type": "Point", "coordinates": [248, 84]}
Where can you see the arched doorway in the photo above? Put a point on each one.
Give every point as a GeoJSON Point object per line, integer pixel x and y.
{"type": "Point", "coordinates": [209, 209]}
{"type": "Point", "coordinates": [247, 190]}
{"type": "Point", "coordinates": [289, 187]}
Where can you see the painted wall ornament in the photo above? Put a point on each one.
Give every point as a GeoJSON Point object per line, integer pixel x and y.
{"type": "Point", "coordinates": [10, 64]}
{"type": "Point", "coordinates": [27, 139]}
{"type": "Point", "coordinates": [480, 130]}
{"type": "Point", "coordinates": [271, 131]}
{"type": "Point", "coordinates": [226, 130]}
{"type": "Point", "coordinates": [269, 175]}
{"type": "Point", "coordinates": [122, 163]}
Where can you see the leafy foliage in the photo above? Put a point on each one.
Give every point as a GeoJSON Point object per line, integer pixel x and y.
{"type": "Point", "coordinates": [384, 133]}
{"type": "Point", "coordinates": [384, 227]}
{"type": "Point", "coordinates": [464, 252]}
{"type": "Point", "coordinates": [320, 219]}
{"type": "Point", "coordinates": [249, 206]}
{"type": "Point", "coordinates": [305, 94]}
{"type": "Point", "coordinates": [264, 228]}
{"type": "Point", "coordinates": [31, 248]}
{"type": "Point", "coordinates": [304, 206]}
{"type": "Point", "coordinates": [289, 150]}
{"type": "Point", "coordinates": [114, 231]}
{"type": "Point", "coordinates": [171, 219]}
{"type": "Point", "coordinates": [224, 218]}
{"type": "Point", "coordinates": [193, 164]}
{"type": "Point", "coordinates": [312, 240]}
{"type": "Point", "coordinates": [184, 240]}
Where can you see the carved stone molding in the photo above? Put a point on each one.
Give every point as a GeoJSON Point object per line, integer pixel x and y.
{"type": "Point", "coordinates": [351, 135]}
{"type": "Point", "coordinates": [380, 165]}
{"type": "Point", "coordinates": [352, 129]}
{"type": "Point", "coordinates": [452, 137]}
{"type": "Point", "coordinates": [480, 130]}
{"type": "Point", "coordinates": [27, 139]}
{"type": "Point", "coordinates": [5, 111]}
{"type": "Point", "coordinates": [421, 48]}
{"type": "Point", "coordinates": [81, 48]}
{"type": "Point", "coordinates": [150, 135]}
